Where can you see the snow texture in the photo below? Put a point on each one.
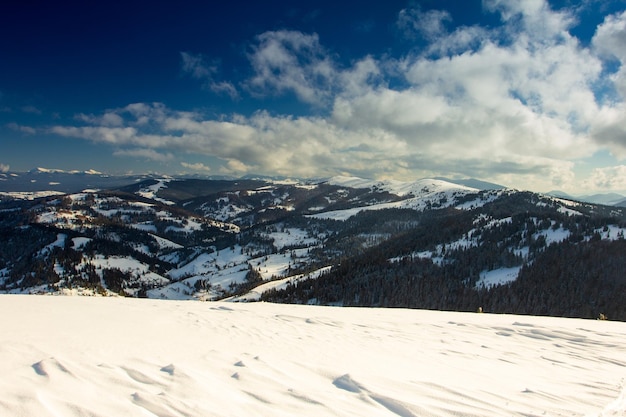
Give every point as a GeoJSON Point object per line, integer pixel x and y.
{"type": "Point", "coordinates": [96, 356]}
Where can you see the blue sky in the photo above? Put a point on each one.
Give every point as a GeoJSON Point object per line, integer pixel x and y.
{"type": "Point", "coordinates": [529, 93]}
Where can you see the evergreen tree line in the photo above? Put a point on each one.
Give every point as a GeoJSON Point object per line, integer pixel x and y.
{"type": "Point", "coordinates": [569, 280]}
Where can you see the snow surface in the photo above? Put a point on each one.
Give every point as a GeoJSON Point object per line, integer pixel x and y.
{"type": "Point", "coordinates": [97, 356]}
{"type": "Point", "coordinates": [29, 195]}
{"type": "Point", "coordinates": [498, 276]}
{"type": "Point", "coordinates": [400, 188]}
{"type": "Point", "coordinates": [425, 193]}
{"type": "Point", "coordinates": [152, 190]}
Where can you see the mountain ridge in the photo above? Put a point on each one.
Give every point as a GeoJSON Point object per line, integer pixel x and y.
{"type": "Point", "coordinates": [252, 239]}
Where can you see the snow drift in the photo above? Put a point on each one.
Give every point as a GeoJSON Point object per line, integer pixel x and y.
{"type": "Point", "coordinates": [84, 356]}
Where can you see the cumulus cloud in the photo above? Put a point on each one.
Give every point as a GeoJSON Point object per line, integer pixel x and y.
{"type": "Point", "coordinates": [513, 104]}
{"type": "Point", "coordinates": [609, 178]}
{"type": "Point", "coordinates": [291, 61]}
{"type": "Point", "coordinates": [610, 42]}
{"type": "Point", "coordinates": [610, 37]}
{"type": "Point", "coordinates": [429, 24]}
{"type": "Point", "coordinates": [317, 146]}
{"type": "Point", "coordinates": [198, 166]}
{"type": "Point", "coordinates": [107, 119]}
{"type": "Point", "coordinates": [4, 168]}
{"type": "Point", "coordinates": [196, 66]}
{"type": "Point", "coordinates": [532, 19]}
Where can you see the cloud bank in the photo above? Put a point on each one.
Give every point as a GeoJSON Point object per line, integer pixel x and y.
{"type": "Point", "coordinates": [519, 104]}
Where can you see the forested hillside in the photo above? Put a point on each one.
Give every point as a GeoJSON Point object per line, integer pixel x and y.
{"type": "Point", "coordinates": [428, 244]}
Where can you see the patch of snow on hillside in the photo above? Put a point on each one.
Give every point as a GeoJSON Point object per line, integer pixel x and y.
{"type": "Point", "coordinates": [79, 242]}
{"type": "Point", "coordinates": [207, 263]}
{"type": "Point", "coordinates": [130, 265]}
{"type": "Point", "coordinates": [612, 232]}
{"type": "Point", "coordinates": [225, 211]}
{"type": "Point", "coordinates": [152, 190]}
{"type": "Point", "coordinates": [220, 279]}
{"type": "Point", "coordinates": [280, 284]}
{"type": "Point", "coordinates": [165, 243]}
{"type": "Point", "coordinates": [564, 206]}
{"type": "Point", "coordinates": [272, 266]}
{"type": "Point", "coordinates": [291, 237]}
{"type": "Point", "coordinates": [188, 225]}
{"type": "Point", "coordinates": [66, 219]}
{"type": "Point", "coordinates": [498, 276]}
{"type": "Point", "coordinates": [480, 200]}
{"type": "Point", "coordinates": [146, 227]}
{"type": "Point", "coordinates": [339, 215]}
{"type": "Point", "coordinates": [58, 243]}
{"type": "Point", "coordinates": [553, 235]}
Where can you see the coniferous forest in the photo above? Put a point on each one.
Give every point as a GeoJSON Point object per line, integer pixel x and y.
{"type": "Point", "coordinates": [438, 247]}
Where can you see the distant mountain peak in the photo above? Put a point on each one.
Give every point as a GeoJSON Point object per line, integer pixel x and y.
{"type": "Point", "coordinates": [41, 170]}
{"type": "Point", "coordinates": [400, 188]}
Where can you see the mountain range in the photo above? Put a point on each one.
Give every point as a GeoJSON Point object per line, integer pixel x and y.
{"type": "Point", "coordinates": [344, 241]}
{"type": "Point", "coordinates": [44, 181]}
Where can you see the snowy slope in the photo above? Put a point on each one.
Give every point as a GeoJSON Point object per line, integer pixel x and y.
{"type": "Point", "coordinates": [401, 188]}
{"type": "Point", "coordinates": [419, 195]}
{"type": "Point", "coordinates": [87, 356]}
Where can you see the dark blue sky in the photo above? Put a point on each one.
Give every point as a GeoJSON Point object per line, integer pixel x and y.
{"type": "Point", "coordinates": [526, 93]}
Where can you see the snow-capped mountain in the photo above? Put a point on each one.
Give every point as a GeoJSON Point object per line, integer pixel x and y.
{"type": "Point", "coordinates": [346, 241]}
{"type": "Point", "coordinates": [45, 181]}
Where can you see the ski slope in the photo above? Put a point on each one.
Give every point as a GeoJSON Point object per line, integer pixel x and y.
{"type": "Point", "coordinates": [95, 356]}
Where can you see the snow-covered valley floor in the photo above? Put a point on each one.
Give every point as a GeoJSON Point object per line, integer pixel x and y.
{"type": "Point", "coordinates": [84, 356]}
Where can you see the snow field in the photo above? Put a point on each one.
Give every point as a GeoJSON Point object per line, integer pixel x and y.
{"type": "Point", "coordinates": [95, 356]}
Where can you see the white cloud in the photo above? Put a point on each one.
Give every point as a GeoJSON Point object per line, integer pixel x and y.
{"type": "Point", "coordinates": [21, 128]}
{"type": "Point", "coordinates": [609, 178]}
{"type": "Point", "coordinates": [290, 61]}
{"type": "Point", "coordinates": [198, 166]}
{"type": "Point", "coordinates": [610, 38]}
{"type": "Point", "coordinates": [107, 119]}
{"type": "Point", "coordinates": [532, 19]}
{"type": "Point", "coordinates": [234, 167]}
{"type": "Point", "coordinates": [316, 146]}
{"type": "Point", "coordinates": [516, 109]}
{"type": "Point", "coordinates": [195, 66]}
{"type": "Point", "coordinates": [364, 75]}
{"type": "Point", "coordinates": [609, 127]}
{"type": "Point", "coordinates": [150, 154]}
{"type": "Point", "coordinates": [429, 24]}
{"type": "Point", "coordinates": [198, 68]}
{"type": "Point", "coordinates": [4, 168]}
{"type": "Point", "coordinates": [99, 134]}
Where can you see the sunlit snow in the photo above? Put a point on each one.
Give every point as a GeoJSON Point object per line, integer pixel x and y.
{"type": "Point", "coordinates": [422, 194]}
{"type": "Point", "coordinates": [93, 356]}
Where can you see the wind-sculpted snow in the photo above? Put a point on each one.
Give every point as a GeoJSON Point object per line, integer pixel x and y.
{"type": "Point", "coordinates": [87, 356]}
